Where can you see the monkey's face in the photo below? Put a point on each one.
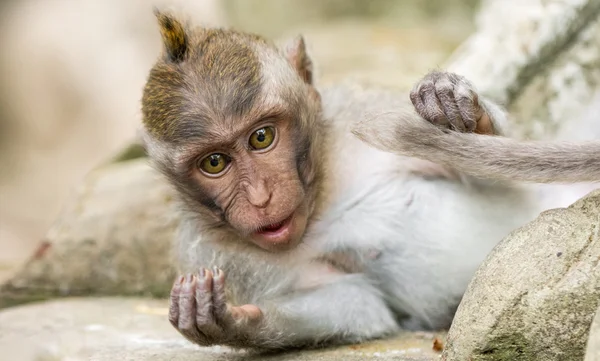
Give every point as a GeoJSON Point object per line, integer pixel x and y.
{"type": "Point", "coordinates": [231, 120]}
{"type": "Point", "coordinates": [251, 180]}
{"type": "Point", "coordinates": [249, 174]}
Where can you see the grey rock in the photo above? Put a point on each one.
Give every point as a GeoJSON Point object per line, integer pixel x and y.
{"type": "Point", "coordinates": [113, 237]}
{"type": "Point", "coordinates": [592, 352]}
{"type": "Point", "coordinates": [540, 60]}
{"type": "Point", "coordinates": [535, 295]}
{"type": "Point", "coordinates": [107, 329]}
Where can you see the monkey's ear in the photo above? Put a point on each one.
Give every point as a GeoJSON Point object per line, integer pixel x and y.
{"type": "Point", "coordinates": [295, 51]}
{"type": "Point", "coordinates": [173, 35]}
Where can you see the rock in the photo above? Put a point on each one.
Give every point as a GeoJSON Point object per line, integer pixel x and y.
{"type": "Point", "coordinates": [592, 352]}
{"type": "Point", "coordinates": [535, 295]}
{"type": "Point", "coordinates": [516, 41]}
{"type": "Point", "coordinates": [114, 236]}
{"type": "Point", "coordinates": [540, 60]}
{"type": "Point", "coordinates": [108, 329]}
{"type": "Point", "coordinates": [563, 101]}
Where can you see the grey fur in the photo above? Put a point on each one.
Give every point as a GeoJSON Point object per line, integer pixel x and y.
{"type": "Point", "coordinates": [483, 156]}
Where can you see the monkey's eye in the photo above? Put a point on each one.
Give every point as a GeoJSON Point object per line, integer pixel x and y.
{"type": "Point", "coordinates": [262, 138]}
{"type": "Point", "coordinates": [214, 163]}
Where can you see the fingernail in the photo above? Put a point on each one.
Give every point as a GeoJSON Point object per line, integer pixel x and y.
{"type": "Point", "coordinates": [216, 270]}
{"type": "Point", "coordinates": [202, 272]}
{"type": "Point", "coordinates": [181, 279]}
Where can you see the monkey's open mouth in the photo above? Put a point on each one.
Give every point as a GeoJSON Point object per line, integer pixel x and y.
{"type": "Point", "coordinates": [275, 226]}
{"type": "Point", "coordinates": [276, 232]}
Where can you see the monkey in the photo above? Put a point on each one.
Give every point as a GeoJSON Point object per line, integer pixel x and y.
{"type": "Point", "coordinates": [295, 232]}
{"type": "Point", "coordinates": [470, 151]}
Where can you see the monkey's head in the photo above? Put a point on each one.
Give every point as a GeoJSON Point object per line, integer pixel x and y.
{"type": "Point", "coordinates": [233, 121]}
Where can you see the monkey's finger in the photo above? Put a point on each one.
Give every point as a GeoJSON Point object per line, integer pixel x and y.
{"type": "Point", "coordinates": [468, 106]}
{"type": "Point", "coordinates": [433, 108]}
{"type": "Point", "coordinates": [174, 302]}
{"type": "Point", "coordinates": [219, 297]}
{"type": "Point", "coordinates": [445, 93]}
{"type": "Point", "coordinates": [416, 100]}
{"type": "Point", "coordinates": [205, 317]}
{"type": "Point", "coordinates": [187, 312]}
{"type": "Point", "coordinates": [426, 103]}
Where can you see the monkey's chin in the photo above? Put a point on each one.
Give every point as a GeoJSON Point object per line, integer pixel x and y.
{"type": "Point", "coordinates": [279, 237]}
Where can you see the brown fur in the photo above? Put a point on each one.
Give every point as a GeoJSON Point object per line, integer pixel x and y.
{"type": "Point", "coordinates": [207, 75]}
{"type": "Point", "coordinates": [173, 35]}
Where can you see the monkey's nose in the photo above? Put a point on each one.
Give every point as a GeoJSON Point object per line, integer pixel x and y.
{"type": "Point", "coordinates": [258, 194]}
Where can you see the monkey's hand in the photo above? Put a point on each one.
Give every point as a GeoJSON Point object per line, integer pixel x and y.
{"type": "Point", "coordinates": [448, 100]}
{"type": "Point", "coordinates": [200, 312]}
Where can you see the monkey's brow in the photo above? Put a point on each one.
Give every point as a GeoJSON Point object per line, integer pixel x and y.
{"type": "Point", "coordinates": [214, 139]}
{"type": "Point", "coordinates": [223, 137]}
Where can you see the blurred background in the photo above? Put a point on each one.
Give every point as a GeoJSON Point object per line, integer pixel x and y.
{"type": "Point", "coordinates": [72, 71]}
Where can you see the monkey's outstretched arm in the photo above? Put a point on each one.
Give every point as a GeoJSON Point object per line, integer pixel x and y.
{"type": "Point", "coordinates": [494, 157]}
{"type": "Point", "coordinates": [349, 310]}
{"type": "Point", "coordinates": [451, 125]}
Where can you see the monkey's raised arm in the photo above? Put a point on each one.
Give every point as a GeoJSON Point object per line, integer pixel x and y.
{"type": "Point", "coordinates": [484, 156]}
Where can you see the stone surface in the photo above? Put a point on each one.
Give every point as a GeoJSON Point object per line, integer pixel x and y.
{"type": "Point", "coordinates": [592, 352]}
{"type": "Point", "coordinates": [114, 236]}
{"type": "Point", "coordinates": [542, 61]}
{"type": "Point", "coordinates": [108, 329]}
{"type": "Point", "coordinates": [535, 295]}
{"type": "Point", "coordinates": [563, 101]}
{"type": "Point", "coordinates": [517, 40]}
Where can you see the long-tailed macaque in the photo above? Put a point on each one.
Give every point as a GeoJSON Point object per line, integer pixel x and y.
{"type": "Point", "coordinates": [296, 232]}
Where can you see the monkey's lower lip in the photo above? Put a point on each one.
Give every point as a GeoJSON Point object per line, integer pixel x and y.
{"type": "Point", "coordinates": [278, 232]}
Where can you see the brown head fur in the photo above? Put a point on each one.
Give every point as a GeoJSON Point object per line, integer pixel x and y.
{"type": "Point", "coordinates": [214, 65]}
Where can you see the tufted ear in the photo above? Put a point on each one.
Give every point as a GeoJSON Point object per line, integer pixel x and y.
{"type": "Point", "coordinates": [173, 35]}
{"type": "Point", "coordinates": [295, 52]}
